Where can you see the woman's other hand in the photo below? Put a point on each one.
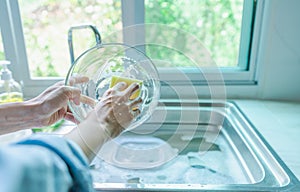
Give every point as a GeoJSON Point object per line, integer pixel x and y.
{"type": "Point", "coordinates": [111, 115]}
{"type": "Point", "coordinates": [52, 104]}
{"type": "Point", "coordinates": [116, 110]}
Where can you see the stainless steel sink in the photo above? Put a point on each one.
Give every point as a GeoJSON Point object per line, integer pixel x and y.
{"type": "Point", "coordinates": [200, 146]}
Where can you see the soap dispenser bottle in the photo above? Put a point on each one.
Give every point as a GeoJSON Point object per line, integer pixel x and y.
{"type": "Point", "coordinates": [10, 90]}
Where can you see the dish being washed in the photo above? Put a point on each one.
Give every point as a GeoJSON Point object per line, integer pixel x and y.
{"type": "Point", "coordinates": [107, 64]}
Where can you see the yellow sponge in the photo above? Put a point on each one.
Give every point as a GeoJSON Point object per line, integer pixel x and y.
{"type": "Point", "coordinates": [128, 81]}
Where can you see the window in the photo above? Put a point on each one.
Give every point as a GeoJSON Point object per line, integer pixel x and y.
{"type": "Point", "coordinates": [195, 43]}
{"type": "Point", "coordinates": [224, 29]}
{"type": "Point", "coordinates": [46, 24]}
{"type": "Point", "coordinates": [217, 24]}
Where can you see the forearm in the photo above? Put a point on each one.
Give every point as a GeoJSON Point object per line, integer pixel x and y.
{"type": "Point", "coordinates": [90, 136]}
{"type": "Point", "coordinates": [18, 116]}
{"type": "Point", "coordinates": [54, 163]}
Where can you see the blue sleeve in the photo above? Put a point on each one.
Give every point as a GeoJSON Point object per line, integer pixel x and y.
{"type": "Point", "coordinates": [44, 163]}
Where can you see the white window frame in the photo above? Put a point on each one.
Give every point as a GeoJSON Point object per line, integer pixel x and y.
{"type": "Point", "coordinates": [133, 13]}
{"type": "Point", "coordinates": [240, 81]}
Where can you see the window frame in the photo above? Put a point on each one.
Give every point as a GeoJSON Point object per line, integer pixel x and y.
{"type": "Point", "coordinates": [240, 74]}
{"type": "Point", "coordinates": [132, 14]}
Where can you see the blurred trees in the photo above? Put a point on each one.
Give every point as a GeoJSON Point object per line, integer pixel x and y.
{"type": "Point", "coordinates": [46, 24]}
{"type": "Point", "coordinates": [216, 23]}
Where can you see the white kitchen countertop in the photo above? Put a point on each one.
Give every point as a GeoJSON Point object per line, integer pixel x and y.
{"type": "Point", "coordinates": [279, 123]}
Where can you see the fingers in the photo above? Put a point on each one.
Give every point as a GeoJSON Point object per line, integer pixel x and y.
{"type": "Point", "coordinates": [78, 98]}
{"type": "Point", "coordinates": [60, 83]}
{"type": "Point", "coordinates": [119, 86]}
{"type": "Point", "coordinates": [78, 80]}
{"type": "Point", "coordinates": [136, 102]}
{"type": "Point", "coordinates": [70, 117]}
{"type": "Point", "coordinates": [73, 94]}
{"type": "Point", "coordinates": [134, 106]}
{"type": "Point", "coordinates": [81, 98]}
{"type": "Point", "coordinates": [73, 81]}
{"type": "Point", "coordinates": [135, 112]}
{"type": "Point", "coordinates": [122, 86]}
{"type": "Point", "coordinates": [116, 108]}
{"type": "Point", "coordinates": [88, 100]}
{"type": "Point", "coordinates": [131, 89]}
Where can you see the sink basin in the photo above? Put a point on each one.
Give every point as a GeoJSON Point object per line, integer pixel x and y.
{"type": "Point", "coordinates": [192, 146]}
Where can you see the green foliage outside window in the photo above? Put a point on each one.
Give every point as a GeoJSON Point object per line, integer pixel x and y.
{"type": "Point", "coordinates": [46, 24]}
{"type": "Point", "coordinates": [216, 23]}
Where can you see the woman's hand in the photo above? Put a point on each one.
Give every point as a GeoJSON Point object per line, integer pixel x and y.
{"type": "Point", "coordinates": [111, 115]}
{"type": "Point", "coordinates": [43, 110]}
{"type": "Point", "coordinates": [116, 110]}
{"type": "Point", "coordinates": [52, 104]}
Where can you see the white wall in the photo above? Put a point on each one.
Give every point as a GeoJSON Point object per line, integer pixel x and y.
{"type": "Point", "coordinates": [279, 54]}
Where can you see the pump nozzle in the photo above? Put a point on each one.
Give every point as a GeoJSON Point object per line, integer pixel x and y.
{"type": "Point", "coordinates": [10, 90]}
{"type": "Point", "coordinates": [5, 72]}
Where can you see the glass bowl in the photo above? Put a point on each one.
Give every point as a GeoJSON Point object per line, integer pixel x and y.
{"type": "Point", "coordinates": [102, 64]}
